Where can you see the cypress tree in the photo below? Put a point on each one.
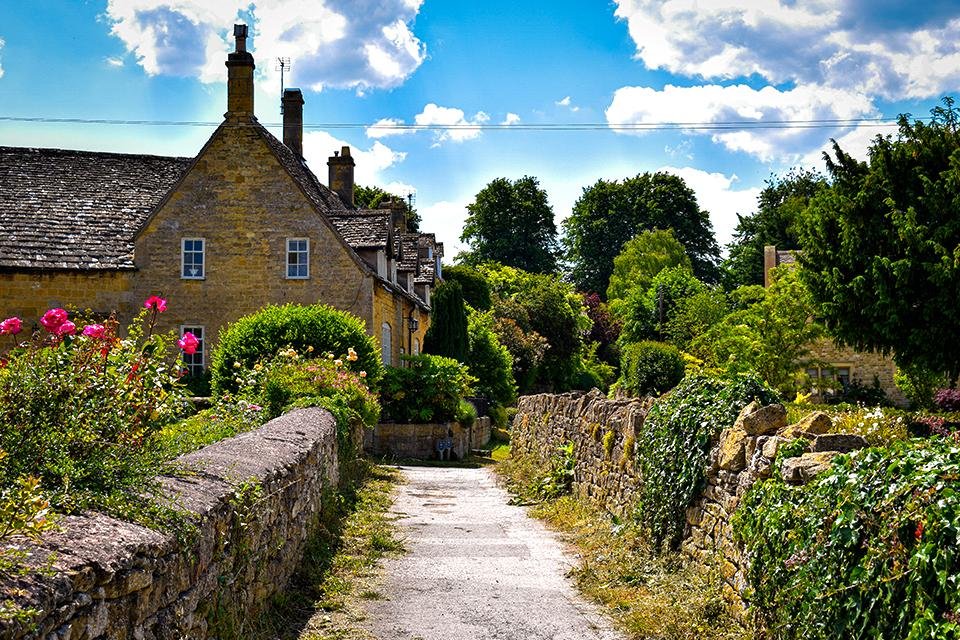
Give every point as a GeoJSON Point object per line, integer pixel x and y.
{"type": "Point", "coordinates": [447, 335]}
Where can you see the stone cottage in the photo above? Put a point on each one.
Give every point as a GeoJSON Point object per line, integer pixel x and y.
{"type": "Point", "coordinates": [242, 224]}
{"type": "Point", "coordinates": [839, 365]}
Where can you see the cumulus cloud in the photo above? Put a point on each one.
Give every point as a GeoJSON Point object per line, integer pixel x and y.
{"type": "Point", "coordinates": [688, 107]}
{"type": "Point", "coordinates": [446, 218]}
{"type": "Point", "coordinates": [856, 143]}
{"type": "Point", "coordinates": [385, 127]}
{"type": "Point", "coordinates": [370, 163]}
{"type": "Point", "coordinates": [717, 193]}
{"type": "Point", "coordinates": [450, 123]}
{"type": "Point", "coordinates": [356, 45]}
{"type": "Point", "coordinates": [566, 102]}
{"type": "Point", "coordinates": [880, 47]}
{"type": "Point", "coordinates": [510, 119]}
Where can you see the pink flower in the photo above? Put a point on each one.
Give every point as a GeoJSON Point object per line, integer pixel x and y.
{"type": "Point", "coordinates": [53, 319]}
{"type": "Point", "coordinates": [155, 302]}
{"type": "Point", "coordinates": [188, 343]}
{"type": "Point", "coordinates": [95, 330]}
{"type": "Point", "coordinates": [66, 329]}
{"type": "Point", "coordinates": [12, 326]}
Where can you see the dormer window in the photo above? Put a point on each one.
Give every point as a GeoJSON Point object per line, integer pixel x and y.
{"type": "Point", "coordinates": [298, 258]}
{"type": "Point", "coordinates": [193, 258]}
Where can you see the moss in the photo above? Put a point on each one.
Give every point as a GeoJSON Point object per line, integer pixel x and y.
{"type": "Point", "coordinates": [609, 438]}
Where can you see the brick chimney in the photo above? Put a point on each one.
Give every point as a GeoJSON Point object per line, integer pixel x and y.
{"type": "Point", "coordinates": [240, 77]}
{"type": "Point", "coordinates": [341, 175]}
{"type": "Point", "coordinates": [292, 108]}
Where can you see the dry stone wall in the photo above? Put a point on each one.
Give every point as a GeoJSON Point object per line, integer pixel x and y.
{"type": "Point", "coordinates": [255, 500]}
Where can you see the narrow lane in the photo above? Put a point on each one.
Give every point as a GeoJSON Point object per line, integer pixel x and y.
{"type": "Point", "coordinates": [477, 568]}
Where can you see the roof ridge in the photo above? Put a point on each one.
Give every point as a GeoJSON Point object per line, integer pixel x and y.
{"type": "Point", "coordinates": [82, 152]}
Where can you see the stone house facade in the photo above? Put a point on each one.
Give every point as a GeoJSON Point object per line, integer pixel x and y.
{"type": "Point", "coordinates": [243, 224]}
{"type": "Point", "coordinates": [839, 365]}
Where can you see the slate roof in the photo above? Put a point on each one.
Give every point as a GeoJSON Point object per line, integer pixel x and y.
{"type": "Point", "coordinates": [409, 255]}
{"type": "Point", "coordinates": [63, 209]}
{"type": "Point", "coordinates": [786, 257]}
{"type": "Point", "coordinates": [363, 228]}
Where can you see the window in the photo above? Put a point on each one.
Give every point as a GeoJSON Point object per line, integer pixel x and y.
{"type": "Point", "coordinates": [192, 263]}
{"type": "Point", "coordinates": [386, 347]}
{"type": "Point", "coordinates": [382, 264]}
{"type": "Point", "coordinates": [194, 361]}
{"type": "Point", "coordinates": [409, 282]}
{"type": "Point", "coordinates": [829, 379]}
{"type": "Point", "coordinates": [298, 258]}
{"type": "Point", "coordinates": [416, 346]}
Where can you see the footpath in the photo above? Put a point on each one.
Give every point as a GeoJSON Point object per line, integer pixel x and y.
{"type": "Point", "coordinates": [477, 568]}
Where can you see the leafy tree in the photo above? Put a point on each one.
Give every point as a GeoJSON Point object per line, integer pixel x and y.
{"type": "Point", "coordinates": [447, 335]}
{"type": "Point", "coordinates": [642, 258]}
{"type": "Point", "coordinates": [373, 197]}
{"type": "Point", "coordinates": [489, 361]}
{"type": "Point", "coordinates": [695, 315]}
{"type": "Point", "coordinates": [779, 206]}
{"type": "Point", "coordinates": [646, 313]}
{"type": "Point", "coordinates": [527, 347]}
{"type": "Point", "coordinates": [881, 246]}
{"type": "Point", "coordinates": [476, 289]}
{"type": "Point", "coordinates": [609, 213]}
{"type": "Point", "coordinates": [511, 222]}
{"type": "Point", "coordinates": [605, 330]}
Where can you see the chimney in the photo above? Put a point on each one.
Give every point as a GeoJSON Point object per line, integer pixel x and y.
{"type": "Point", "coordinates": [341, 175]}
{"type": "Point", "coordinates": [240, 77]}
{"type": "Point", "coordinates": [769, 262]}
{"type": "Point", "coordinates": [292, 108]}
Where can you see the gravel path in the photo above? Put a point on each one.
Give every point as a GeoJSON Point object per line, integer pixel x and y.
{"type": "Point", "coordinates": [477, 568]}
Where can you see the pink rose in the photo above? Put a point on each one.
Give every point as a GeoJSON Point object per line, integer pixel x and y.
{"type": "Point", "coordinates": [95, 330]}
{"type": "Point", "coordinates": [155, 302]}
{"type": "Point", "coordinates": [188, 343]}
{"type": "Point", "coordinates": [12, 326]}
{"type": "Point", "coordinates": [53, 319]}
{"type": "Point", "coordinates": [66, 329]}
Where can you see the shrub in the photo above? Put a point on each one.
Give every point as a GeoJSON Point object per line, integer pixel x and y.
{"type": "Point", "coordinates": [947, 400]}
{"type": "Point", "coordinates": [650, 368]}
{"type": "Point", "coordinates": [313, 329]}
{"type": "Point", "coordinates": [466, 414]}
{"type": "Point", "coordinates": [428, 389]}
{"type": "Point", "coordinates": [674, 443]}
{"type": "Point", "coordinates": [867, 550]}
{"type": "Point", "coordinates": [476, 289]}
{"type": "Point", "coordinates": [490, 362]}
{"type": "Point", "coordinates": [858, 393]}
{"type": "Point", "coordinates": [918, 384]}
{"type": "Point", "coordinates": [447, 334]}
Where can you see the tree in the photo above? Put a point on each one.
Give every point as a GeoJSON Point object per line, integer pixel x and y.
{"type": "Point", "coordinates": [476, 290]}
{"type": "Point", "coordinates": [489, 361]}
{"type": "Point", "coordinates": [779, 207]}
{"type": "Point", "coordinates": [447, 334]}
{"type": "Point", "coordinates": [881, 246]}
{"type": "Point", "coordinates": [373, 197]}
{"type": "Point", "coordinates": [609, 213]}
{"type": "Point", "coordinates": [647, 312]}
{"type": "Point", "coordinates": [511, 222]}
{"type": "Point", "coordinates": [642, 258]}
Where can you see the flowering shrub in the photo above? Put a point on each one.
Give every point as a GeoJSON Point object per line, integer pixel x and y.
{"type": "Point", "coordinates": [947, 400]}
{"type": "Point", "coordinates": [428, 389]}
{"type": "Point", "coordinates": [879, 425]}
{"type": "Point", "coordinates": [867, 550]}
{"type": "Point", "coordinates": [76, 411]}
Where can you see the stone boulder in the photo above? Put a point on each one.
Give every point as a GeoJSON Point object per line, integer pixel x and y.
{"type": "Point", "coordinates": [812, 425]}
{"type": "Point", "coordinates": [756, 420]}
{"type": "Point", "coordinates": [732, 450]}
{"type": "Point", "coordinates": [842, 442]}
{"type": "Point", "coordinates": [804, 468]}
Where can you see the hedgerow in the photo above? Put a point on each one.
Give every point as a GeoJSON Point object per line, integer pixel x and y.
{"type": "Point", "coordinates": [674, 444]}
{"type": "Point", "coordinates": [867, 550]}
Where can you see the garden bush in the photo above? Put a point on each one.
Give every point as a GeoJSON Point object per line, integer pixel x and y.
{"type": "Point", "coordinates": [947, 400]}
{"type": "Point", "coordinates": [490, 362]}
{"type": "Point", "coordinates": [674, 443]}
{"type": "Point", "coordinates": [650, 368]}
{"type": "Point", "coordinates": [867, 550]}
{"type": "Point", "coordinates": [428, 389]}
{"type": "Point", "coordinates": [308, 329]}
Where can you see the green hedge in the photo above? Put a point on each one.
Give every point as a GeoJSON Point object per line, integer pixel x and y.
{"type": "Point", "coordinates": [317, 329]}
{"type": "Point", "coordinates": [428, 389]}
{"type": "Point", "coordinates": [867, 550]}
{"type": "Point", "coordinates": [650, 368]}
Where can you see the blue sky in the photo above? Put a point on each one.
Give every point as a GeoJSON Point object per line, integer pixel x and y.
{"type": "Point", "coordinates": [444, 62]}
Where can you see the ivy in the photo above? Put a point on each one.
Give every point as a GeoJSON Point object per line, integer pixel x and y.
{"type": "Point", "coordinates": [674, 444]}
{"type": "Point", "coordinates": [867, 550]}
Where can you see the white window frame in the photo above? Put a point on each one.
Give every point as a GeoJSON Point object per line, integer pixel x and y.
{"type": "Point", "coordinates": [183, 258]}
{"type": "Point", "coordinates": [306, 252]}
{"type": "Point", "coordinates": [201, 348]}
{"type": "Point", "coordinates": [386, 343]}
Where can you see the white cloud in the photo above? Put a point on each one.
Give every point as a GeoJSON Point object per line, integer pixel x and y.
{"type": "Point", "coordinates": [717, 193]}
{"type": "Point", "coordinates": [370, 163]}
{"type": "Point", "coordinates": [715, 105]}
{"type": "Point", "coordinates": [453, 123]}
{"type": "Point", "coordinates": [332, 44]}
{"type": "Point", "coordinates": [386, 127]}
{"type": "Point", "coordinates": [855, 143]}
{"type": "Point", "coordinates": [883, 49]}
{"type": "Point", "coordinates": [566, 102]}
{"type": "Point", "coordinates": [114, 61]}
{"type": "Point", "coordinates": [511, 119]}
{"type": "Point", "coordinates": [445, 218]}
{"type": "Point", "coordinates": [1, 49]}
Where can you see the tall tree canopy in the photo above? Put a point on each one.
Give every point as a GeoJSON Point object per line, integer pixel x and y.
{"type": "Point", "coordinates": [511, 222]}
{"type": "Point", "coordinates": [447, 334]}
{"type": "Point", "coordinates": [642, 258]}
{"type": "Point", "coordinates": [881, 246]}
{"type": "Point", "coordinates": [609, 213]}
{"type": "Point", "coordinates": [373, 197]}
{"type": "Point", "coordinates": [779, 206]}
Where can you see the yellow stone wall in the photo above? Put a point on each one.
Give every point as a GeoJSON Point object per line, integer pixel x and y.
{"type": "Point", "coordinates": [395, 310]}
{"type": "Point", "coordinates": [863, 366]}
{"type": "Point", "coordinates": [29, 294]}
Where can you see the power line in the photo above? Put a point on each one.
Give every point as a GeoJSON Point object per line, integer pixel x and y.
{"type": "Point", "coordinates": [731, 125]}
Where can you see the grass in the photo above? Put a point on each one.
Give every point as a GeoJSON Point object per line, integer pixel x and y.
{"type": "Point", "coordinates": [339, 571]}
{"type": "Point", "coordinates": [663, 597]}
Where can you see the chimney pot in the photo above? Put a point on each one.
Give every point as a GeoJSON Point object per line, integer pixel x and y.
{"type": "Point", "coordinates": [240, 77]}
{"type": "Point", "coordinates": [292, 107]}
{"type": "Point", "coordinates": [341, 175]}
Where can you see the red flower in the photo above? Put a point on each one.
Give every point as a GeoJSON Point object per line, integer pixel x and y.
{"type": "Point", "coordinates": [95, 330]}
{"type": "Point", "coordinates": [67, 328]}
{"type": "Point", "coordinates": [188, 343]}
{"type": "Point", "coordinates": [53, 319]}
{"type": "Point", "coordinates": [12, 326]}
{"type": "Point", "coordinates": [155, 302]}
{"type": "Point", "coordinates": [919, 532]}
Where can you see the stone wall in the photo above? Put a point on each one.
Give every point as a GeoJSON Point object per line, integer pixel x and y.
{"type": "Point", "coordinates": [603, 433]}
{"type": "Point", "coordinates": [255, 499]}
